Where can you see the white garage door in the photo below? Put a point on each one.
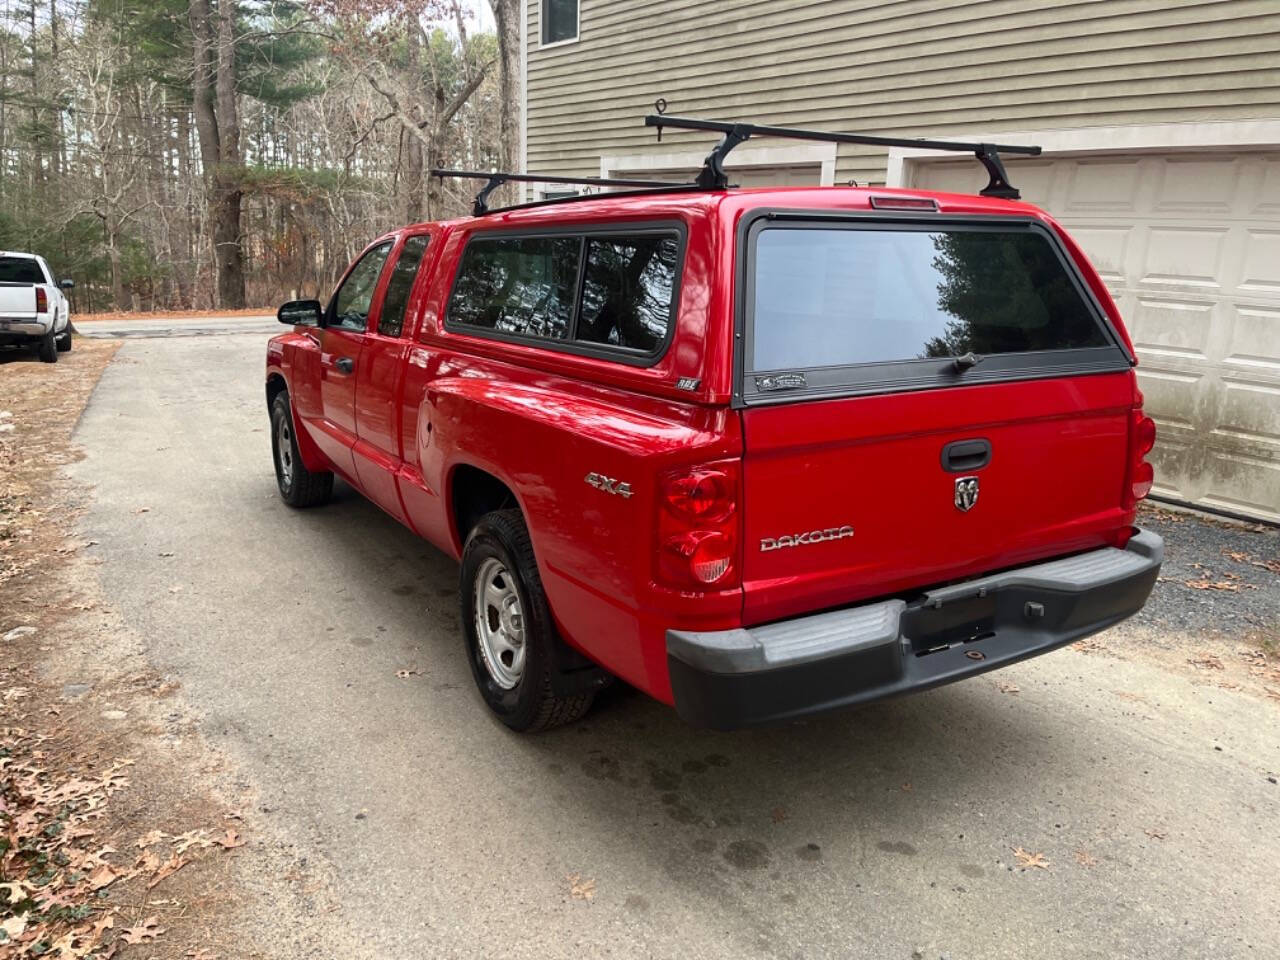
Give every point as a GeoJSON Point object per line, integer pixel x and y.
{"type": "Point", "coordinates": [1189, 245]}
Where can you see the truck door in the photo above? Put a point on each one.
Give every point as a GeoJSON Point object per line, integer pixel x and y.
{"type": "Point", "coordinates": [379, 375]}
{"type": "Point", "coordinates": [342, 339]}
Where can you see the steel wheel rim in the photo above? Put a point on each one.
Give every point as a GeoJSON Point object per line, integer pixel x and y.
{"type": "Point", "coordinates": [284, 451]}
{"type": "Point", "coordinates": [499, 622]}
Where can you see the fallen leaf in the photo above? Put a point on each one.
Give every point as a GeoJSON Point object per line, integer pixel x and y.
{"type": "Point", "coordinates": [143, 510]}
{"type": "Point", "coordinates": [192, 838]}
{"type": "Point", "coordinates": [14, 926]}
{"type": "Point", "coordinates": [1205, 661]}
{"type": "Point", "coordinates": [406, 674]}
{"type": "Point", "coordinates": [1213, 585]}
{"type": "Point", "coordinates": [171, 866]}
{"type": "Point", "coordinates": [147, 863]}
{"type": "Point", "coordinates": [148, 839]}
{"type": "Point", "coordinates": [149, 929]}
{"type": "Point", "coordinates": [17, 891]}
{"type": "Point", "coordinates": [1086, 859]}
{"type": "Point", "coordinates": [1156, 834]}
{"type": "Point", "coordinates": [1027, 859]}
{"type": "Point", "coordinates": [103, 876]}
{"type": "Point", "coordinates": [907, 787]}
{"type": "Point", "coordinates": [778, 814]}
{"type": "Point", "coordinates": [201, 954]}
{"type": "Point", "coordinates": [103, 923]}
{"type": "Point", "coordinates": [1007, 686]}
{"type": "Point", "coordinates": [1237, 556]}
{"type": "Point", "coordinates": [231, 840]}
{"type": "Point", "coordinates": [581, 889]}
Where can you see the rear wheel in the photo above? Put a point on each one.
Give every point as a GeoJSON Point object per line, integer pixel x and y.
{"type": "Point", "coordinates": [299, 487]}
{"type": "Point", "coordinates": [508, 627]}
{"type": "Point", "coordinates": [47, 348]}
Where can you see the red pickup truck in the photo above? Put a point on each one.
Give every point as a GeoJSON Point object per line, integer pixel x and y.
{"type": "Point", "coordinates": [758, 453]}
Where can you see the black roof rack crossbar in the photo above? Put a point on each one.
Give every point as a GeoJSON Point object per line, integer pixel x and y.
{"type": "Point", "coordinates": [713, 176]}
{"type": "Point", "coordinates": [497, 179]}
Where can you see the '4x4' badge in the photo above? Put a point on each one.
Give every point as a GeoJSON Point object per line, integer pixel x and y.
{"type": "Point", "coordinates": [966, 493]}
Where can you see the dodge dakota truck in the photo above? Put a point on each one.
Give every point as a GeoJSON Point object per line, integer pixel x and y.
{"type": "Point", "coordinates": [759, 453]}
{"type": "Point", "coordinates": [33, 309]}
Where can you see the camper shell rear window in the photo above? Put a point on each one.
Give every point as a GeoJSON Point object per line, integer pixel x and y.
{"type": "Point", "coordinates": [841, 306]}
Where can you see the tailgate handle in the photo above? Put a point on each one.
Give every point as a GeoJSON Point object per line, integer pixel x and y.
{"type": "Point", "coordinates": [965, 455]}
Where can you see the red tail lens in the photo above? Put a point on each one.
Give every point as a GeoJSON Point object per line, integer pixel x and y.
{"type": "Point", "coordinates": [1142, 438]}
{"type": "Point", "coordinates": [701, 495]}
{"type": "Point", "coordinates": [698, 526]}
{"type": "Point", "coordinates": [42, 301]}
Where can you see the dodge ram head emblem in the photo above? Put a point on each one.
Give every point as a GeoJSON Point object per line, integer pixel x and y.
{"type": "Point", "coordinates": [966, 493]}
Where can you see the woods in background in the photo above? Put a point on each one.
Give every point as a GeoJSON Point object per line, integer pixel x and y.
{"type": "Point", "coordinates": [222, 153]}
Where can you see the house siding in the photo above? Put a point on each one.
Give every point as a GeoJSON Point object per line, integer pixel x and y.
{"type": "Point", "coordinates": [909, 68]}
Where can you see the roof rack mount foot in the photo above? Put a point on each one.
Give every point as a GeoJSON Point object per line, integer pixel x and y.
{"type": "Point", "coordinates": [713, 176]}
{"type": "Point", "coordinates": [999, 185]}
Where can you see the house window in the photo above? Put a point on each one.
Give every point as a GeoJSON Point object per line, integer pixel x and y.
{"type": "Point", "coordinates": [559, 21]}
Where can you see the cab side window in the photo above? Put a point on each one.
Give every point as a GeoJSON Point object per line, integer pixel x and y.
{"type": "Point", "coordinates": [351, 304]}
{"type": "Point", "coordinates": [391, 320]}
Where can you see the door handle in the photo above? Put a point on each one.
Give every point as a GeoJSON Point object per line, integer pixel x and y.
{"type": "Point", "coordinates": [965, 455]}
{"type": "Point", "coordinates": [345, 364]}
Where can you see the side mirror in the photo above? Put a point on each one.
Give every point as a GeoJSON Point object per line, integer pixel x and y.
{"type": "Point", "coordinates": [304, 312]}
{"type": "Point", "coordinates": [67, 284]}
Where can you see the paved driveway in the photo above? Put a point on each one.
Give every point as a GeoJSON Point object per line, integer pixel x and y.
{"type": "Point", "coordinates": [422, 828]}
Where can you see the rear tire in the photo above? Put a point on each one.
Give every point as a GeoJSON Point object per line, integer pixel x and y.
{"type": "Point", "coordinates": [47, 348]}
{"type": "Point", "coordinates": [299, 487]}
{"type": "Point", "coordinates": [508, 629]}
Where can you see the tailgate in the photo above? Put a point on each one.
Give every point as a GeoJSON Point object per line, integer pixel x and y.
{"type": "Point", "coordinates": [924, 401]}
{"type": "Point", "coordinates": [17, 301]}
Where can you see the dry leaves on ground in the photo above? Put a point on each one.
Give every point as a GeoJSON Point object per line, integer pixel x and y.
{"type": "Point", "coordinates": [581, 889]}
{"type": "Point", "coordinates": [1205, 661]}
{"type": "Point", "coordinates": [144, 932]}
{"type": "Point", "coordinates": [1026, 859]}
{"type": "Point", "coordinates": [1086, 859]}
{"type": "Point", "coordinates": [1232, 585]}
{"type": "Point", "coordinates": [778, 814]}
{"type": "Point", "coordinates": [55, 871]}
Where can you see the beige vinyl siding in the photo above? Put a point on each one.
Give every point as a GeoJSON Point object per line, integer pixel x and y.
{"type": "Point", "coordinates": [915, 67]}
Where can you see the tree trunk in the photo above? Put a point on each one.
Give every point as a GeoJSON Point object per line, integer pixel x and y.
{"type": "Point", "coordinates": [413, 157]}
{"type": "Point", "coordinates": [506, 15]}
{"type": "Point", "coordinates": [227, 189]}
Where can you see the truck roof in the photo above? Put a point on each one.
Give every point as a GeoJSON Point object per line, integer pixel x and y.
{"type": "Point", "coordinates": [730, 202]}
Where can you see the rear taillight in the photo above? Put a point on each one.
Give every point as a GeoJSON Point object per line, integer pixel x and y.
{"type": "Point", "coordinates": [698, 526]}
{"type": "Point", "coordinates": [42, 301]}
{"type": "Point", "coordinates": [1142, 437]}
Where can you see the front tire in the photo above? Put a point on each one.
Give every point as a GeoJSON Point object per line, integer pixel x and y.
{"type": "Point", "coordinates": [508, 628]}
{"type": "Point", "coordinates": [47, 348]}
{"type": "Point", "coordinates": [299, 487]}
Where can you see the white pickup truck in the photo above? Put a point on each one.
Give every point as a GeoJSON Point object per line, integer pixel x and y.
{"type": "Point", "coordinates": [33, 309]}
